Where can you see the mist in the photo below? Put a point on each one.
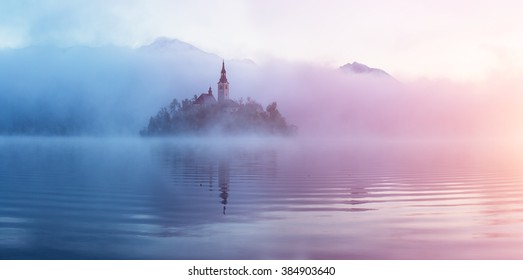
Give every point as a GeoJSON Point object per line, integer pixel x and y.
{"type": "Point", "coordinates": [99, 194]}
{"type": "Point", "coordinates": [114, 90]}
{"type": "Point", "coordinates": [328, 102]}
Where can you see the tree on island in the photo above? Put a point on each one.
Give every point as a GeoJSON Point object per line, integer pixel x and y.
{"type": "Point", "coordinates": [189, 117]}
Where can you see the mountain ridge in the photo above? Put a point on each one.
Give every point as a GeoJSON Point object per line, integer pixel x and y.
{"type": "Point", "coordinates": [360, 68]}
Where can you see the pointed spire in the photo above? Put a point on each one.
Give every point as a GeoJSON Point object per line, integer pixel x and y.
{"type": "Point", "coordinates": [223, 78]}
{"type": "Point", "coordinates": [210, 90]}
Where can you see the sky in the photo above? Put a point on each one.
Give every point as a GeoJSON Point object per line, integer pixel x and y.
{"type": "Point", "coordinates": [457, 40]}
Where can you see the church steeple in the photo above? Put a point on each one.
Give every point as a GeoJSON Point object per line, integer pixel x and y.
{"type": "Point", "coordinates": [223, 85]}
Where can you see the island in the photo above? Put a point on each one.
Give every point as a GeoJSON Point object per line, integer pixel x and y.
{"type": "Point", "coordinates": [204, 114]}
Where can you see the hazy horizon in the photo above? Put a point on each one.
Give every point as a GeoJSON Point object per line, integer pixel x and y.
{"type": "Point", "coordinates": [114, 90]}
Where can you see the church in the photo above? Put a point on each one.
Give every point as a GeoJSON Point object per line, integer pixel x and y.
{"type": "Point", "coordinates": [208, 98]}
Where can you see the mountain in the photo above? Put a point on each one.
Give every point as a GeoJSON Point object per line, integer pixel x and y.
{"type": "Point", "coordinates": [169, 44]}
{"type": "Point", "coordinates": [358, 68]}
{"type": "Point", "coordinates": [175, 47]}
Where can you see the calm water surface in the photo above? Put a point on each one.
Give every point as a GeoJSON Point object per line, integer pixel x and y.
{"type": "Point", "coordinates": [75, 198]}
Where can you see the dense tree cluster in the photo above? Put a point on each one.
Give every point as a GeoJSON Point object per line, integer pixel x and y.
{"type": "Point", "coordinates": [230, 117]}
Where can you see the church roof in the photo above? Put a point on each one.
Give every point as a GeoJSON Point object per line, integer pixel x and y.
{"type": "Point", "coordinates": [223, 78]}
{"type": "Point", "coordinates": [205, 99]}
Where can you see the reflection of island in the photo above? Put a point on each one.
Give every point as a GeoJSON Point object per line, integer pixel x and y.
{"type": "Point", "coordinates": [198, 178]}
{"type": "Point", "coordinates": [223, 181]}
{"type": "Point", "coordinates": [191, 167]}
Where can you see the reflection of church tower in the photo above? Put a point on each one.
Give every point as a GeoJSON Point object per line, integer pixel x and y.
{"type": "Point", "coordinates": [223, 85]}
{"type": "Point", "coordinates": [223, 181]}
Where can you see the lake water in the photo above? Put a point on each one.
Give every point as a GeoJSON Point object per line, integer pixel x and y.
{"type": "Point", "coordinates": [119, 198]}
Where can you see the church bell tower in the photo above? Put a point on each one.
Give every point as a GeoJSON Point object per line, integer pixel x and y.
{"type": "Point", "coordinates": [223, 85]}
